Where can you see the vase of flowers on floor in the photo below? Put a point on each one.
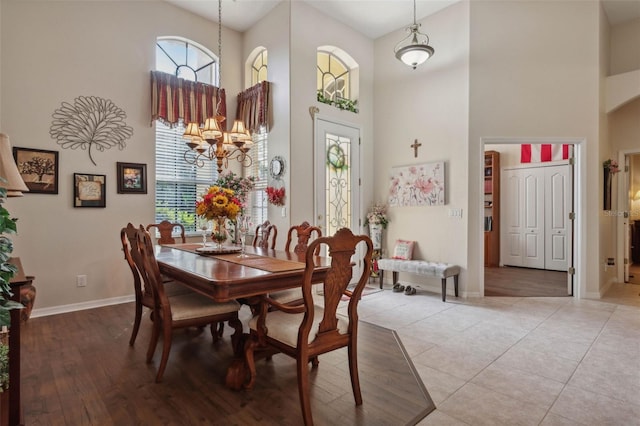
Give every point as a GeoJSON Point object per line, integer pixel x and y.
{"type": "Point", "coordinates": [218, 204]}
{"type": "Point", "coordinates": [377, 220]}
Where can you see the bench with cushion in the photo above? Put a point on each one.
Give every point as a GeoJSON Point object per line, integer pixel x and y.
{"type": "Point", "coordinates": [421, 267]}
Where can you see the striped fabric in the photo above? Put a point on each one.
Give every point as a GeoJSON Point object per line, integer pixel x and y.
{"type": "Point", "coordinates": [254, 106]}
{"type": "Point", "coordinates": [538, 153]}
{"type": "Point", "coordinates": [175, 100]}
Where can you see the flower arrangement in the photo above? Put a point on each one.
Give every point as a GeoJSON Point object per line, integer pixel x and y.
{"type": "Point", "coordinates": [612, 165]}
{"type": "Point", "coordinates": [377, 216]}
{"type": "Point", "coordinates": [218, 202]}
{"type": "Point", "coordinates": [241, 186]}
{"type": "Point", "coordinates": [275, 196]}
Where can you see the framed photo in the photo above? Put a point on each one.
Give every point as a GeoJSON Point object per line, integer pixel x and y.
{"type": "Point", "coordinates": [132, 178]}
{"type": "Point", "coordinates": [89, 190]}
{"type": "Point", "coordinates": [38, 168]}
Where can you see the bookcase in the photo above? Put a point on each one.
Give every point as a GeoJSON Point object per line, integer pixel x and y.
{"type": "Point", "coordinates": [491, 208]}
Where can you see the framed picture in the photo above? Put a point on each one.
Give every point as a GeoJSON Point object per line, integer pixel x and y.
{"type": "Point", "coordinates": [417, 185]}
{"type": "Point", "coordinates": [89, 190]}
{"type": "Point", "coordinates": [38, 168]}
{"type": "Point", "coordinates": [132, 178]}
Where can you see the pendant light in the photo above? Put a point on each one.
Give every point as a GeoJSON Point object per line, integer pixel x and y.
{"type": "Point", "coordinates": [414, 49]}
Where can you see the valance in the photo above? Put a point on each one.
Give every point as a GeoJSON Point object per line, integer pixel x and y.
{"type": "Point", "coordinates": [176, 100]}
{"type": "Point", "coordinates": [254, 106]}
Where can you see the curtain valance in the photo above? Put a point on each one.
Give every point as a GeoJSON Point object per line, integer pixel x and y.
{"type": "Point", "coordinates": [254, 106]}
{"type": "Point", "coordinates": [175, 100]}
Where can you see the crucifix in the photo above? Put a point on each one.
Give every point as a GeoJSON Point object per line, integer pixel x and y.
{"type": "Point", "coordinates": [415, 148]}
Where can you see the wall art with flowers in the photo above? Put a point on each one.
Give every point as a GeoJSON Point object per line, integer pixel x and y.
{"type": "Point", "coordinates": [417, 185]}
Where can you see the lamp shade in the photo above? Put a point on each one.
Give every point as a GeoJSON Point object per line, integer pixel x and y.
{"type": "Point", "coordinates": [9, 171]}
{"type": "Point", "coordinates": [211, 129]}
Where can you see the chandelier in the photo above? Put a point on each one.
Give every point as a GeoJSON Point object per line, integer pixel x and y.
{"type": "Point", "coordinates": [212, 142]}
{"type": "Point", "coordinates": [414, 49]}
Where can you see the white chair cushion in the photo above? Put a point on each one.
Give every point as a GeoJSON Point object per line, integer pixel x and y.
{"type": "Point", "coordinates": [284, 327]}
{"type": "Point", "coordinates": [286, 296]}
{"type": "Point", "coordinates": [422, 267]}
{"type": "Point", "coordinates": [194, 305]}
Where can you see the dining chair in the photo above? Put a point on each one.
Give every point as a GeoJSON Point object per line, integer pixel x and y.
{"type": "Point", "coordinates": [302, 234]}
{"type": "Point", "coordinates": [187, 310]}
{"type": "Point", "coordinates": [265, 236]}
{"type": "Point", "coordinates": [143, 294]}
{"type": "Point", "coordinates": [306, 331]}
{"type": "Point", "coordinates": [165, 228]}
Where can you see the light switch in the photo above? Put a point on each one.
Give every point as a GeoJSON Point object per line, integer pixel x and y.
{"type": "Point", "coordinates": [457, 213]}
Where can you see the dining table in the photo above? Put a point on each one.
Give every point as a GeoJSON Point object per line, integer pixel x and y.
{"type": "Point", "coordinates": [227, 274]}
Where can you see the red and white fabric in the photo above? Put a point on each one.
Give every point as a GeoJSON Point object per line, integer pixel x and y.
{"type": "Point", "coordinates": [539, 153]}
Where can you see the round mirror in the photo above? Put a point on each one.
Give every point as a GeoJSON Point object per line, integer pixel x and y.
{"type": "Point", "coordinates": [276, 167]}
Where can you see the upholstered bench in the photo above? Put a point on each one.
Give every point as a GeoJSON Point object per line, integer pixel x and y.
{"type": "Point", "coordinates": [421, 267]}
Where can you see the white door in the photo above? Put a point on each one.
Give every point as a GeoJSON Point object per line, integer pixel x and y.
{"type": "Point", "coordinates": [558, 203]}
{"type": "Point", "coordinates": [337, 177]}
{"type": "Point", "coordinates": [511, 218]}
{"type": "Point", "coordinates": [533, 210]}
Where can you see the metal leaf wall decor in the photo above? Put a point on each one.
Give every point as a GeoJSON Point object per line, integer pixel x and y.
{"type": "Point", "coordinates": [90, 123]}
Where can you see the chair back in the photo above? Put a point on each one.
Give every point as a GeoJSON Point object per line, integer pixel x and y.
{"type": "Point", "coordinates": [151, 275]}
{"type": "Point", "coordinates": [165, 228]}
{"type": "Point", "coordinates": [129, 239]}
{"type": "Point", "coordinates": [341, 248]}
{"type": "Point", "coordinates": [265, 237]}
{"type": "Point", "coordinates": [304, 232]}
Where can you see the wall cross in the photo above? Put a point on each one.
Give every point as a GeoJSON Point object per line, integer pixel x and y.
{"type": "Point", "coordinates": [415, 147]}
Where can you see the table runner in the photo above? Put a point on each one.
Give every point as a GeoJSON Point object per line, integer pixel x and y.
{"type": "Point", "coordinates": [265, 263]}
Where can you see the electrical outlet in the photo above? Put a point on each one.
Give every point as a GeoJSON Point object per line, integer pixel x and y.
{"type": "Point", "coordinates": [81, 280]}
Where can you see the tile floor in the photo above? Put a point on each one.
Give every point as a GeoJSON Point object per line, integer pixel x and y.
{"type": "Point", "coordinates": [521, 361]}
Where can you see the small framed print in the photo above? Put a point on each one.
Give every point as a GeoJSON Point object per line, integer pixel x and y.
{"type": "Point", "coordinates": [38, 169]}
{"type": "Point", "coordinates": [132, 178]}
{"type": "Point", "coordinates": [89, 190]}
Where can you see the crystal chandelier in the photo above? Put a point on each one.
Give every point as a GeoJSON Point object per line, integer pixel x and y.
{"type": "Point", "coordinates": [212, 142]}
{"type": "Point", "coordinates": [414, 49]}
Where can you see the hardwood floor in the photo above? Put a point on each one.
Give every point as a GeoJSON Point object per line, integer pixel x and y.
{"type": "Point", "coordinates": [524, 282]}
{"type": "Point", "coordinates": [78, 369]}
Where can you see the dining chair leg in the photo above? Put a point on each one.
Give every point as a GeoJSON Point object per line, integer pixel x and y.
{"type": "Point", "coordinates": [315, 362]}
{"type": "Point", "coordinates": [166, 348]}
{"type": "Point", "coordinates": [353, 372]}
{"type": "Point", "coordinates": [136, 324]}
{"type": "Point", "coordinates": [214, 331]}
{"type": "Point", "coordinates": [153, 342]}
{"type": "Point", "coordinates": [303, 389]}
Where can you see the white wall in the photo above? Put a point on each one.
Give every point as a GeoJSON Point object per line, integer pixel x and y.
{"type": "Point", "coordinates": [53, 52]}
{"type": "Point", "coordinates": [430, 104]}
{"type": "Point", "coordinates": [625, 54]}
{"type": "Point", "coordinates": [535, 73]}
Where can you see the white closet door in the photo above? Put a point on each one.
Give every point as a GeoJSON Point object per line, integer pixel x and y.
{"type": "Point", "coordinates": [511, 218]}
{"type": "Point", "coordinates": [557, 225]}
{"type": "Point", "coordinates": [533, 210]}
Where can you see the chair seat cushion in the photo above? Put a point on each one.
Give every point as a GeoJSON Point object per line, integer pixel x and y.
{"type": "Point", "coordinates": [194, 305]}
{"type": "Point", "coordinates": [284, 327]}
{"type": "Point", "coordinates": [422, 267]}
{"type": "Point", "coordinates": [287, 296]}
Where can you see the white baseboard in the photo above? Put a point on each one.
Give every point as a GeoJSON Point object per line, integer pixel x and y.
{"type": "Point", "coordinates": [62, 309]}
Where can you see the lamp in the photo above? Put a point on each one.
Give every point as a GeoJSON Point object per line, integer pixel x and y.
{"type": "Point", "coordinates": [212, 141]}
{"type": "Point", "coordinates": [9, 171]}
{"type": "Point", "coordinates": [414, 49]}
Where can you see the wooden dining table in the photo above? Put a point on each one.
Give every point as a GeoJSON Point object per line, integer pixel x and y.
{"type": "Point", "coordinates": [227, 276]}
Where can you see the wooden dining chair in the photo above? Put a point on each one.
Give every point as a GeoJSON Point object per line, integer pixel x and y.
{"type": "Point", "coordinates": [187, 310]}
{"type": "Point", "coordinates": [265, 236]}
{"type": "Point", "coordinates": [143, 295]}
{"type": "Point", "coordinates": [306, 331]}
{"type": "Point", "coordinates": [165, 229]}
{"type": "Point", "coordinates": [301, 234]}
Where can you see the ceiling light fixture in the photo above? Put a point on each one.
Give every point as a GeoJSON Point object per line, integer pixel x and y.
{"type": "Point", "coordinates": [414, 49]}
{"type": "Point", "coordinates": [212, 141]}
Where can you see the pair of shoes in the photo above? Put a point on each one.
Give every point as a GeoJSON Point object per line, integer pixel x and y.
{"type": "Point", "coordinates": [398, 288]}
{"type": "Point", "coordinates": [409, 290]}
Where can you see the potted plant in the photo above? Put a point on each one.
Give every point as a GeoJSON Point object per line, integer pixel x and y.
{"type": "Point", "coordinates": [7, 271]}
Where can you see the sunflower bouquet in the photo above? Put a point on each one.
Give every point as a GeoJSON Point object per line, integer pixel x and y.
{"type": "Point", "coordinates": [218, 202]}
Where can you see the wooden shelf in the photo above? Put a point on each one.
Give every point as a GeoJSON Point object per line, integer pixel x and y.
{"type": "Point", "coordinates": [492, 211]}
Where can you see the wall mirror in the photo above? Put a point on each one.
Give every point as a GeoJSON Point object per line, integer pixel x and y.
{"type": "Point", "coordinates": [277, 167]}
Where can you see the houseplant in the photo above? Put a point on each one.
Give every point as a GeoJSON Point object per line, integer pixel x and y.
{"type": "Point", "coordinates": [219, 204]}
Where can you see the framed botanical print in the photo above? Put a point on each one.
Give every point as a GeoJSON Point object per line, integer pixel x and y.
{"type": "Point", "coordinates": [89, 190]}
{"type": "Point", "coordinates": [38, 168]}
{"type": "Point", "coordinates": [132, 178]}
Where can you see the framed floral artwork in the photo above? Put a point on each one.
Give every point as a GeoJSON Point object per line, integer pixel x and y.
{"type": "Point", "coordinates": [417, 185]}
{"type": "Point", "coordinates": [132, 178]}
{"type": "Point", "coordinates": [89, 190]}
{"type": "Point", "coordinates": [38, 168]}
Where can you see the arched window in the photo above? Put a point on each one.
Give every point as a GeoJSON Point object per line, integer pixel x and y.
{"type": "Point", "coordinates": [337, 78]}
{"type": "Point", "coordinates": [258, 68]}
{"type": "Point", "coordinates": [178, 183]}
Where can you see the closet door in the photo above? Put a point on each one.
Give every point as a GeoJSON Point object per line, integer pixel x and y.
{"type": "Point", "coordinates": [533, 221]}
{"type": "Point", "coordinates": [511, 218]}
{"type": "Point", "coordinates": [557, 225]}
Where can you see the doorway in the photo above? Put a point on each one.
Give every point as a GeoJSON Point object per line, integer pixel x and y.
{"type": "Point", "coordinates": [630, 204]}
{"type": "Point", "coordinates": [536, 222]}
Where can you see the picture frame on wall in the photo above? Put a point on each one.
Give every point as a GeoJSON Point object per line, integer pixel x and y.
{"type": "Point", "coordinates": [38, 169]}
{"type": "Point", "coordinates": [132, 178]}
{"type": "Point", "coordinates": [89, 190]}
